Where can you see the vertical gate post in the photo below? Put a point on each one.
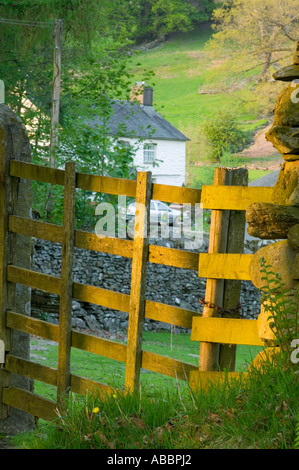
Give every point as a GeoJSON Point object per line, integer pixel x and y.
{"type": "Point", "coordinates": [209, 352]}
{"type": "Point", "coordinates": [232, 288]}
{"type": "Point", "coordinates": [66, 287]}
{"type": "Point", "coordinates": [138, 280]}
{"type": "Point", "coordinates": [15, 198]}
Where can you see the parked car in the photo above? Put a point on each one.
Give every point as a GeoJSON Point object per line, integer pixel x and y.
{"type": "Point", "coordinates": [159, 213]}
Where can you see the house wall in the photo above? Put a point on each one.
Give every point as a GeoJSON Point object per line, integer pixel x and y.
{"type": "Point", "coordinates": [171, 168]}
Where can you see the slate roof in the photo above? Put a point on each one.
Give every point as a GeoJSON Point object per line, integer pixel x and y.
{"type": "Point", "coordinates": [140, 121]}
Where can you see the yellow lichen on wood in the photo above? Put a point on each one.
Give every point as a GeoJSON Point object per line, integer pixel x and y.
{"type": "Point", "coordinates": [224, 266]}
{"type": "Point", "coordinates": [202, 380]}
{"type": "Point", "coordinates": [225, 330]}
{"type": "Point", "coordinates": [234, 197]}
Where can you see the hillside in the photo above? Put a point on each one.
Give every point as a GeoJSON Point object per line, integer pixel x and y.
{"type": "Point", "coordinates": [190, 87]}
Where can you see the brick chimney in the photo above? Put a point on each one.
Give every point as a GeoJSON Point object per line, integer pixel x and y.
{"type": "Point", "coordinates": [142, 93]}
{"type": "Point", "coordinates": [148, 96]}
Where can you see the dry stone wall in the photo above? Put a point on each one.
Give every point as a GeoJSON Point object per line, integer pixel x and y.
{"type": "Point", "coordinates": [166, 284]}
{"type": "Point", "coordinates": [278, 219]}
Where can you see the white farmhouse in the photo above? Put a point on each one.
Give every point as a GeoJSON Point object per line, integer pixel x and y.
{"type": "Point", "coordinates": [161, 148]}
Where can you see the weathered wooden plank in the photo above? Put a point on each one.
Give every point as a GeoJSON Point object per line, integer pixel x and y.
{"type": "Point", "coordinates": [204, 379]}
{"type": "Point", "coordinates": [82, 386]}
{"type": "Point", "coordinates": [36, 172]}
{"type": "Point", "coordinates": [234, 197]}
{"type": "Point", "coordinates": [176, 194]}
{"type": "Point", "coordinates": [103, 297]}
{"type": "Point", "coordinates": [226, 330]}
{"type": "Point", "coordinates": [166, 365]}
{"type": "Point", "coordinates": [99, 346]}
{"type": "Point", "coordinates": [31, 369]}
{"type": "Point", "coordinates": [35, 228]}
{"type": "Point", "coordinates": [209, 352]}
{"type": "Point", "coordinates": [224, 266]}
{"type": "Point", "coordinates": [138, 280]}
{"type": "Point", "coordinates": [113, 246]}
{"type": "Point", "coordinates": [32, 326]}
{"type": "Point", "coordinates": [106, 184]}
{"type": "Point", "coordinates": [34, 279]}
{"type": "Point", "coordinates": [30, 403]}
{"type": "Point", "coordinates": [169, 314]}
{"type": "Point", "coordinates": [84, 292]}
{"type": "Point", "coordinates": [93, 344]}
{"type": "Point", "coordinates": [86, 240]}
{"type": "Point", "coordinates": [173, 257]}
{"type": "Point", "coordinates": [66, 290]}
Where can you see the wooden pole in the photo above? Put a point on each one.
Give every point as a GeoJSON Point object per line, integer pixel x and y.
{"type": "Point", "coordinates": [138, 280]}
{"type": "Point", "coordinates": [209, 352]}
{"type": "Point", "coordinates": [66, 289]}
{"type": "Point", "coordinates": [232, 288]}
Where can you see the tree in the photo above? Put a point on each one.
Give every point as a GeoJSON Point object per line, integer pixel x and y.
{"type": "Point", "coordinates": [147, 20]}
{"type": "Point", "coordinates": [94, 70]}
{"type": "Point", "coordinates": [256, 33]}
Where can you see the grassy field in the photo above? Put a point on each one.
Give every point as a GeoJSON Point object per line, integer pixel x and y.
{"type": "Point", "coordinates": [259, 413]}
{"type": "Point", "coordinates": [182, 68]}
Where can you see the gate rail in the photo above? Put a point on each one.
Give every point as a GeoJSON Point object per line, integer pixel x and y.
{"type": "Point", "coordinates": [212, 265]}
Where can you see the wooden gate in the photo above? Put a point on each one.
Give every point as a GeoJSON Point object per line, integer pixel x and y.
{"type": "Point", "coordinates": [215, 266]}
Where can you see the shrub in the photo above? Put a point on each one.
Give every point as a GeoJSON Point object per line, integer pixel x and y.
{"type": "Point", "coordinates": [223, 134]}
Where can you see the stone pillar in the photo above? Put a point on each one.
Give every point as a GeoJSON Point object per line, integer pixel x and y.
{"type": "Point", "coordinates": [15, 198]}
{"type": "Point", "coordinates": [279, 220]}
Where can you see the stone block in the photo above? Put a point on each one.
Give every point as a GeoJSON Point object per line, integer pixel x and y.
{"type": "Point", "coordinates": [280, 257]}
{"type": "Point", "coordinates": [286, 108]}
{"type": "Point", "coordinates": [271, 221]}
{"type": "Point", "coordinates": [284, 139]}
{"type": "Point", "coordinates": [293, 237]}
{"type": "Point", "coordinates": [286, 189]}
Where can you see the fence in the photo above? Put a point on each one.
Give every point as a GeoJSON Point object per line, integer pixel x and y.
{"type": "Point", "coordinates": [222, 262]}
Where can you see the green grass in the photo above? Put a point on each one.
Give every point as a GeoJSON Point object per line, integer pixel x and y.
{"type": "Point", "coordinates": [204, 175]}
{"type": "Point", "coordinates": [181, 65]}
{"type": "Point", "coordinates": [111, 372]}
{"type": "Point", "coordinates": [260, 412]}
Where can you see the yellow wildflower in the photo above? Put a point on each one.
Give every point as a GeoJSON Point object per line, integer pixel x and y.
{"type": "Point", "coordinates": [96, 410]}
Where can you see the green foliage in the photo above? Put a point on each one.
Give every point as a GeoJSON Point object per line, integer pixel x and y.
{"type": "Point", "coordinates": [255, 34]}
{"type": "Point", "coordinates": [256, 413]}
{"type": "Point", "coordinates": [203, 177]}
{"type": "Point", "coordinates": [282, 304]}
{"type": "Point", "coordinates": [95, 68]}
{"type": "Point", "coordinates": [297, 435]}
{"type": "Point", "coordinates": [223, 134]}
{"type": "Point", "coordinates": [146, 20]}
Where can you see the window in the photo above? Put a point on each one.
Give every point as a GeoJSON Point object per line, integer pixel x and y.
{"type": "Point", "coordinates": [149, 153]}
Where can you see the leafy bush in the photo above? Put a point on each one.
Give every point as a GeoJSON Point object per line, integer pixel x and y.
{"type": "Point", "coordinates": [282, 304]}
{"type": "Point", "coordinates": [223, 134]}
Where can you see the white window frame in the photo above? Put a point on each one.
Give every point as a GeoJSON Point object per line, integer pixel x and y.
{"type": "Point", "coordinates": [149, 153]}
